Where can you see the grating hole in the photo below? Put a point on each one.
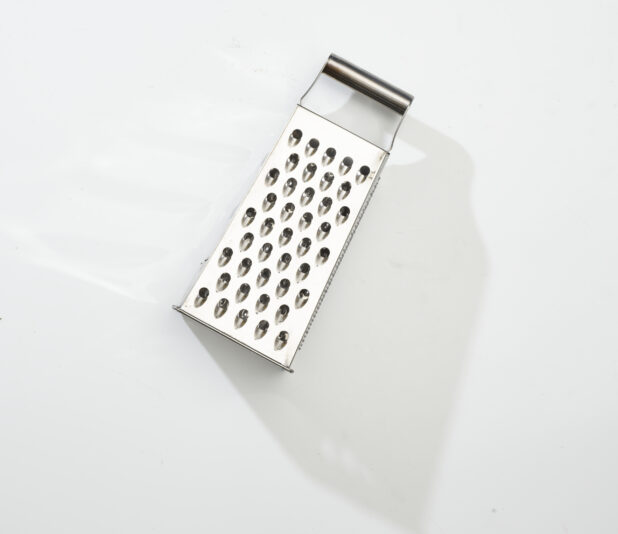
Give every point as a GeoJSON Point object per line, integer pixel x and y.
{"type": "Point", "coordinates": [242, 292]}
{"type": "Point", "coordinates": [312, 146]}
{"type": "Point", "coordinates": [305, 220]}
{"type": "Point", "coordinates": [285, 236]}
{"type": "Point", "coordinates": [303, 271]}
{"type": "Point", "coordinates": [223, 281]}
{"type": "Point", "coordinates": [265, 251]}
{"type": "Point", "coordinates": [248, 217]}
{"type": "Point", "coordinates": [271, 176]}
{"type": "Point", "coordinates": [362, 174]}
{"type": "Point", "coordinates": [241, 318]}
{"type": "Point", "coordinates": [326, 181]}
{"type": "Point", "coordinates": [281, 340]}
{"type": "Point", "coordinates": [282, 287]}
{"type": "Point", "coordinates": [302, 298]}
{"type": "Point", "coordinates": [344, 190]}
{"type": "Point", "coordinates": [267, 226]}
{"type": "Point", "coordinates": [203, 292]}
{"type": "Point", "coordinates": [263, 277]}
{"type": "Point", "coordinates": [261, 329]}
{"type": "Point", "coordinates": [328, 156]}
{"type": "Point", "coordinates": [269, 201]}
{"type": "Point", "coordinates": [221, 307]}
{"type": "Point", "coordinates": [246, 241]}
{"type": "Point", "coordinates": [289, 187]}
{"type": "Point", "coordinates": [244, 266]}
{"type": "Point", "coordinates": [226, 254]}
{"type": "Point", "coordinates": [325, 205]}
{"type": "Point", "coordinates": [323, 230]}
{"type": "Point", "coordinates": [304, 246]}
{"type": "Point", "coordinates": [202, 295]}
{"type": "Point", "coordinates": [287, 211]}
{"type": "Point", "coordinates": [309, 171]}
{"type": "Point", "coordinates": [307, 196]}
{"type": "Point", "coordinates": [343, 214]}
{"type": "Point", "coordinates": [262, 302]}
{"type": "Point", "coordinates": [282, 313]}
{"type": "Point", "coordinates": [295, 137]}
{"type": "Point", "coordinates": [323, 255]}
{"type": "Point", "coordinates": [345, 165]}
{"type": "Point", "coordinates": [284, 261]}
{"type": "Point", "coordinates": [291, 163]}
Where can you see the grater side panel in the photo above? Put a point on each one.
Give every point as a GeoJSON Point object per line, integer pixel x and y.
{"type": "Point", "coordinates": [267, 276]}
{"type": "Point", "coordinates": [345, 246]}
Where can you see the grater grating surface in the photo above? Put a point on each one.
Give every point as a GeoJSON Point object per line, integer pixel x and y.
{"type": "Point", "coordinates": [265, 280]}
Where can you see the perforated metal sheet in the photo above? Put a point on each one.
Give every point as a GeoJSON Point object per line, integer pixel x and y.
{"type": "Point", "coordinates": [265, 280]}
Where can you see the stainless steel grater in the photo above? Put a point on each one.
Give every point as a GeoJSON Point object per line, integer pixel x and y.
{"type": "Point", "coordinates": [267, 277]}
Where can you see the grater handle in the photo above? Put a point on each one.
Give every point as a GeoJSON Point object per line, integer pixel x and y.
{"type": "Point", "coordinates": [364, 82]}
{"type": "Point", "coordinates": [368, 84]}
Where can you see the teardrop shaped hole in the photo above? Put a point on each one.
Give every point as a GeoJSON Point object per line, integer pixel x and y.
{"type": "Point", "coordinates": [323, 230]}
{"type": "Point", "coordinates": [309, 171]}
{"type": "Point", "coordinates": [343, 214]}
{"type": "Point", "coordinates": [263, 277]}
{"type": "Point", "coordinates": [287, 211]}
{"type": "Point", "coordinates": [282, 287]}
{"type": "Point", "coordinates": [246, 241]}
{"type": "Point", "coordinates": [344, 190]}
{"type": "Point", "coordinates": [302, 298]}
{"type": "Point", "coordinates": [307, 196]}
{"type": "Point", "coordinates": [305, 220]}
{"type": "Point", "coordinates": [226, 255]}
{"type": "Point", "coordinates": [328, 156]}
{"type": "Point", "coordinates": [362, 174]}
{"type": "Point", "coordinates": [326, 181]}
{"type": "Point", "coordinates": [285, 236]}
{"type": "Point", "coordinates": [303, 246]}
{"type": "Point", "coordinates": [323, 255]}
{"type": "Point", "coordinates": [295, 137]}
{"type": "Point", "coordinates": [271, 176]}
{"type": "Point", "coordinates": [289, 187]}
{"type": "Point", "coordinates": [282, 313]}
{"type": "Point", "coordinates": [223, 281]}
{"type": "Point", "coordinates": [221, 307]}
{"type": "Point", "coordinates": [325, 205]}
{"type": "Point", "coordinates": [269, 201]}
{"type": "Point", "coordinates": [284, 261]}
{"type": "Point", "coordinates": [281, 340]}
{"type": "Point", "coordinates": [244, 266]}
{"type": "Point", "coordinates": [202, 296]}
{"type": "Point", "coordinates": [312, 146]}
{"type": "Point", "coordinates": [303, 271]}
{"type": "Point", "coordinates": [265, 251]}
{"type": "Point", "coordinates": [261, 329]}
{"type": "Point", "coordinates": [345, 165]}
{"type": "Point", "coordinates": [291, 162]}
{"type": "Point", "coordinates": [262, 302]}
{"type": "Point", "coordinates": [248, 217]}
{"type": "Point", "coordinates": [241, 318]}
{"type": "Point", "coordinates": [267, 226]}
{"type": "Point", "coordinates": [242, 292]}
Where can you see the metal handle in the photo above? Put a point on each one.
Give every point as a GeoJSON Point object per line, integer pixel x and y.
{"type": "Point", "coordinates": [368, 84]}
{"type": "Point", "coordinates": [364, 82]}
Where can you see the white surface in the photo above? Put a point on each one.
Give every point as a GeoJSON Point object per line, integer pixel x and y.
{"type": "Point", "coordinates": [130, 130]}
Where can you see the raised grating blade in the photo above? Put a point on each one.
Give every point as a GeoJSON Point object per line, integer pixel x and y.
{"type": "Point", "coordinates": [268, 275]}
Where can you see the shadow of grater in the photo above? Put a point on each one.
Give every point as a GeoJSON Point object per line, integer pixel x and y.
{"type": "Point", "coordinates": [267, 277]}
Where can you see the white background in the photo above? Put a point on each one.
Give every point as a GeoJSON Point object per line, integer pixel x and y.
{"type": "Point", "coordinates": [461, 376]}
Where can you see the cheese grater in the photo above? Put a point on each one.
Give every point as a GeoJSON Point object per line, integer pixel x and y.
{"type": "Point", "coordinates": [267, 277]}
